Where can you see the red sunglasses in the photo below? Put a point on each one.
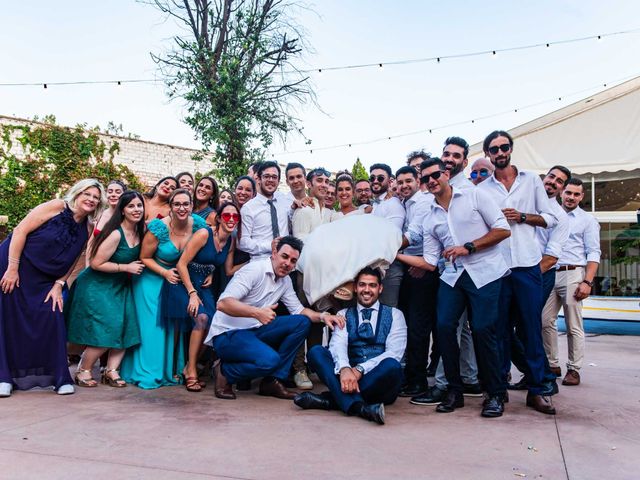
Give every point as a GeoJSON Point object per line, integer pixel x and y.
{"type": "Point", "coordinates": [226, 216]}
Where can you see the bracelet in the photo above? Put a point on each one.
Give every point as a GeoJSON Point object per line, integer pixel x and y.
{"type": "Point", "coordinates": [60, 282]}
{"type": "Point", "coordinates": [587, 282]}
{"type": "Point", "coordinates": [192, 291]}
{"type": "Point", "coordinates": [14, 260]}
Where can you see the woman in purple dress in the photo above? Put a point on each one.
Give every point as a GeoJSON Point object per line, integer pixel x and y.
{"type": "Point", "coordinates": [35, 262]}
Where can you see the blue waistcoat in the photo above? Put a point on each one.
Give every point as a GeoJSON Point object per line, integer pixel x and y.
{"type": "Point", "coordinates": [360, 350]}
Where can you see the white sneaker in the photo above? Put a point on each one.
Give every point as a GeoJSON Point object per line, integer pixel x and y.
{"type": "Point", "coordinates": [66, 390]}
{"type": "Point", "coordinates": [302, 380]}
{"type": "Point", "coordinates": [5, 389]}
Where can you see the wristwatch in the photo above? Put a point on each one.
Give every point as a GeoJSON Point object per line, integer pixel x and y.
{"type": "Point", "coordinates": [470, 247]}
{"type": "Point", "coordinates": [359, 368]}
{"type": "Point", "coordinates": [523, 217]}
{"type": "Point", "coordinates": [588, 283]}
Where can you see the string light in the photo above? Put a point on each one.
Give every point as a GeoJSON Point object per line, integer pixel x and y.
{"type": "Point", "coordinates": [455, 124]}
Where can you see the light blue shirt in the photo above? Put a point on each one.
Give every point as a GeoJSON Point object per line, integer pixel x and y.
{"type": "Point", "coordinates": [583, 244]}
{"type": "Point", "coordinates": [390, 208]}
{"type": "Point", "coordinates": [257, 234]}
{"type": "Point", "coordinates": [416, 207]}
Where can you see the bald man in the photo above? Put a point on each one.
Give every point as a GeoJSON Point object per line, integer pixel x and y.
{"type": "Point", "coordinates": [481, 169]}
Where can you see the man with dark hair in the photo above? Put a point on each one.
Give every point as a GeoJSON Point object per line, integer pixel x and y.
{"type": "Point", "coordinates": [295, 175]}
{"type": "Point", "coordinates": [414, 159]}
{"type": "Point", "coordinates": [330, 199]}
{"type": "Point", "coordinates": [361, 366]}
{"type": "Point", "coordinates": [454, 156]}
{"type": "Point", "coordinates": [363, 193]}
{"type": "Point", "coordinates": [250, 340]}
{"type": "Point", "coordinates": [266, 216]}
{"type": "Point", "coordinates": [525, 204]}
{"type": "Point", "coordinates": [465, 226]}
{"type": "Point", "coordinates": [575, 272]}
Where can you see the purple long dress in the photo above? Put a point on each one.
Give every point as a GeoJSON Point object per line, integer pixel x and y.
{"type": "Point", "coordinates": [33, 339]}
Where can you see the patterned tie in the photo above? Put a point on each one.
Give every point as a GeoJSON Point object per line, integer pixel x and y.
{"type": "Point", "coordinates": [275, 229]}
{"type": "Point", "coordinates": [365, 330]}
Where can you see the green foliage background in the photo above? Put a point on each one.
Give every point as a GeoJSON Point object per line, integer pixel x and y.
{"type": "Point", "coordinates": [55, 157]}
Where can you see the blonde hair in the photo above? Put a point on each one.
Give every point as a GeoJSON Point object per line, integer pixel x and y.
{"type": "Point", "coordinates": [72, 195]}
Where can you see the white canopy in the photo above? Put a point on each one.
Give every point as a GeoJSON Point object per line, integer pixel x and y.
{"type": "Point", "coordinates": [597, 134]}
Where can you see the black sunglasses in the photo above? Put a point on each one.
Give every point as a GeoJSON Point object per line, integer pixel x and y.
{"type": "Point", "coordinates": [483, 172]}
{"type": "Point", "coordinates": [435, 175]}
{"type": "Point", "coordinates": [379, 178]}
{"type": "Point", "coordinates": [504, 148]}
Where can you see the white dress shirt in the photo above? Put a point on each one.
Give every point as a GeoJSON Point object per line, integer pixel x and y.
{"type": "Point", "coordinates": [390, 208]}
{"type": "Point", "coordinates": [552, 240]}
{"type": "Point", "coordinates": [306, 219]}
{"type": "Point", "coordinates": [527, 195]}
{"type": "Point", "coordinates": [583, 244]}
{"type": "Point", "coordinates": [394, 345]}
{"type": "Point", "coordinates": [256, 285]}
{"type": "Point", "coordinates": [416, 207]}
{"type": "Point", "coordinates": [460, 181]}
{"type": "Point", "coordinates": [257, 234]}
{"type": "Point", "coordinates": [472, 213]}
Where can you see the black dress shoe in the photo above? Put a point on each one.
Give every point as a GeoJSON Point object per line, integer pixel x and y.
{"type": "Point", "coordinates": [413, 389]}
{"type": "Point", "coordinates": [433, 396]}
{"type": "Point", "coordinates": [520, 385]}
{"type": "Point", "coordinates": [493, 407]}
{"type": "Point", "coordinates": [471, 390]}
{"type": "Point", "coordinates": [311, 401]}
{"type": "Point", "coordinates": [540, 404]}
{"type": "Point", "coordinates": [372, 413]}
{"type": "Point", "coordinates": [452, 401]}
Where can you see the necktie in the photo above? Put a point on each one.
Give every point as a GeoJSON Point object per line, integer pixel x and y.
{"type": "Point", "coordinates": [274, 219]}
{"type": "Point", "coordinates": [365, 330]}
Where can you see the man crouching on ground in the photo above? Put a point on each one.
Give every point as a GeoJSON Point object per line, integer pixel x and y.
{"type": "Point", "coordinates": [250, 340]}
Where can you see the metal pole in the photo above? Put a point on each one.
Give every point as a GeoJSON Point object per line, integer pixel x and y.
{"type": "Point", "coordinates": [593, 193]}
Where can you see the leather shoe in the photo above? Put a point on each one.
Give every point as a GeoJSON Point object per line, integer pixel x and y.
{"type": "Point", "coordinates": [519, 385]}
{"type": "Point", "coordinates": [311, 401]}
{"type": "Point", "coordinates": [413, 389]}
{"type": "Point", "coordinates": [572, 378]}
{"type": "Point", "coordinates": [433, 396]}
{"type": "Point", "coordinates": [557, 371]}
{"type": "Point", "coordinates": [452, 401]}
{"type": "Point", "coordinates": [243, 385]}
{"type": "Point", "coordinates": [222, 389]}
{"type": "Point", "coordinates": [493, 407]}
{"type": "Point", "coordinates": [373, 413]}
{"type": "Point", "coordinates": [540, 404]}
{"type": "Point", "coordinates": [272, 387]}
{"type": "Point", "coordinates": [471, 390]}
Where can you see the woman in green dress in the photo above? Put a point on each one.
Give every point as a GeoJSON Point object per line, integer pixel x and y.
{"type": "Point", "coordinates": [100, 311]}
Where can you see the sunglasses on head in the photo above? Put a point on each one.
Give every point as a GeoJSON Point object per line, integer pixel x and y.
{"type": "Point", "coordinates": [317, 172]}
{"type": "Point", "coordinates": [504, 148]}
{"type": "Point", "coordinates": [226, 216]}
{"type": "Point", "coordinates": [379, 178]}
{"type": "Point", "coordinates": [435, 175]}
{"type": "Point", "coordinates": [483, 172]}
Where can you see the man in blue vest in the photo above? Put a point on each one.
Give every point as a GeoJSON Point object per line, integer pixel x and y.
{"type": "Point", "coordinates": [361, 367]}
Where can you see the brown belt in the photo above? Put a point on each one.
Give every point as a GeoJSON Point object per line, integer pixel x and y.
{"type": "Point", "coordinates": [564, 268]}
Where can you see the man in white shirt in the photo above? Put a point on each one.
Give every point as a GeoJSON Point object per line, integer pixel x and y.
{"type": "Point", "coordinates": [575, 271]}
{"type": "Point", "coordinates": [465, 226]}
{"type": "Point", "coordinates": [387, 206]}
{"type": "Point", "coordinates": [250, 340]}
{"type": "Point", "coordinates": [525, 204]}
{"type": "Point", "coordinates": [266, 216]}
{"type": "Point", "coordinates": [295, 175]}
{"type": "Point", "coordinates": [361, 367]}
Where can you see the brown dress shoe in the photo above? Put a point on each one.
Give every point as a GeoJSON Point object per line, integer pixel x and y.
{"type": "Point", "coordinates": [572, 378]}
{"type": "Point", "coordinates": [272, 387]}
{"type": "Point", "coordinates": [557, 371]}
{"type": "Point", "coordinates": [540, 404]}
{"type": "Point", "coordinates": [222, 388]}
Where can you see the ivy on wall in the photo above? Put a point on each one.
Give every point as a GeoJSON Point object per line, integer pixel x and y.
{"type": "Point", "coordinates": [55, 157]}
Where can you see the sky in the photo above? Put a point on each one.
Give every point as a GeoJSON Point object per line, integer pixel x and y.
{"type": "Point", "coordinates": [77, 40]}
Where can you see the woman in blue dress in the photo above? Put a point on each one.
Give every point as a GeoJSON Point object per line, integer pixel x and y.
{"type": "Point", "coordinates": [35, 262]}
{"type": "Point", "coordinates": [154, 362]}
{"type": "Point", "coordinates": [205, 199]}
{"type": "Point", "coordinates": [207, 250]}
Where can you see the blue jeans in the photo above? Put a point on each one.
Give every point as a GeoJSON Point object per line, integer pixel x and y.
{"type": "Point", "coordinates": [468, 364]}
{"type": "Point", "coordinates": [264, 351]}
{"type": "Point", "coordinates": [381, 385]}
{"type": "Point", "coordinates": [482, 304]}
{"type": "Point", "coordinates": [521, 308]}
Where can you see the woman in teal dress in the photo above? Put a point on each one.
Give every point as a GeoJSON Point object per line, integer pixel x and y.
{"type": "Point", "coordinates": [100, 311]}
{"type": "Point", "coordinates": [154, 362]}
{"type": "Point", "coordinates": [208, 249]}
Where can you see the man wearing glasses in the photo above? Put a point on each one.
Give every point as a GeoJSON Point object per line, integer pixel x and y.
{"type": "Point", "coordinates": [481, 169]}
{"type": "Point", "coordinates": [266, 216]}
{"type": "Point", "coordinates": [363, 193]}
{"type": "Point", "coordinates": [387, 206]}
{"type": "Point", "coordinates": [525, 204]}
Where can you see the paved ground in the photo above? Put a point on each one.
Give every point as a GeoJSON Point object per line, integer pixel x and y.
{"type": "Point", "coordinates": [172, 434]}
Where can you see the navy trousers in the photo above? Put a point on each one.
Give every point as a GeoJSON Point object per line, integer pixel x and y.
{"type": "Point", "coordinates": [264, 351]}
{"type": "Point", "coordinates": [380, 385]}
{"type": "Point", "coordinates": [521, 308]}
{"type": "Point", "coordinates": [483, 320]}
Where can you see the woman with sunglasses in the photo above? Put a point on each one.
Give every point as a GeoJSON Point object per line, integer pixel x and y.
{"type": "Point", "coordinates": [205, 200]}
{"type": "Point", "coordinates": [481, 170]}
{"type": "Point", "coordinates": [207, 250]}
{"type": "Point", "coordinates": [152, 363]}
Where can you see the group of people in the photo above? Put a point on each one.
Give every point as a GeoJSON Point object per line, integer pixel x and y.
{"type": "Point", "coordinates": [363, 282]}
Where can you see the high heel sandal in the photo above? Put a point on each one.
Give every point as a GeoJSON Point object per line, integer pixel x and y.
{"type": "Point", "coordinates": [112, 382]}
{"type": "Point", "coordinates": [84, 382]}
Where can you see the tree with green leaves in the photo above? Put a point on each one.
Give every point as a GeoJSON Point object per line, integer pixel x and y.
{"type": "Point", "coordinates": [358, 172]}
{"type": "Point", "coordinates": [233, 67]}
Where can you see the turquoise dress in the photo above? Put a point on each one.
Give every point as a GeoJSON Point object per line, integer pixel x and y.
{"type": "Point", "coordinates": [156, 360]}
